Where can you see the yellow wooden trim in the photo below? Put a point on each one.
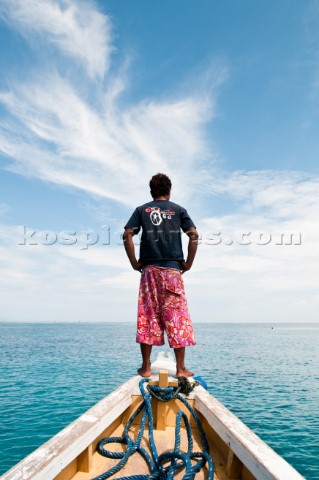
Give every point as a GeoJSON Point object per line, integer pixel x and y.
{"type": "Point", "coordinates": [162, 406]}
{"type": "Point", "coordinates": [234, 466]}
{"type": "Point", "coordinates": [85, 460]}
{"type": "Point", "coordinates": [68, 472]}
{"type": "Point", "coordinates": [171, 383]}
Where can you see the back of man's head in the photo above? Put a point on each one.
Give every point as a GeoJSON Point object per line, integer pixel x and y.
{"type": "Point", "coordinates": [160, 185]}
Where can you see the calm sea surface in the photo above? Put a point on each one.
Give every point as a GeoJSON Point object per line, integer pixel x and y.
{"type": "Point", "coordinates": [268, 375]}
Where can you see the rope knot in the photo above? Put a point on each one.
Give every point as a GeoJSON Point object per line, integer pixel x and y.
{"type": "Point", "coordinates": [185, 386]}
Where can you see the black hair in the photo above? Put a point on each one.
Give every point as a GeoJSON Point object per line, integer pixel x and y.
{"type": "Point", "coordinates": [160, 185]}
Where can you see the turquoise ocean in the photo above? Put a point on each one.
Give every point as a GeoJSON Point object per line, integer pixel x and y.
{"type": "Point", "coordinates": [268, 375]}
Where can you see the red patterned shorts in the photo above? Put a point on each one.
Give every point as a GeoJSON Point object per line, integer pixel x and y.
{"type": "Point", "coordinates": [162, 305]}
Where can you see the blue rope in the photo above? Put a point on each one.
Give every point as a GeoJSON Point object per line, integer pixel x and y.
{"type": "Point", "coordinates": [176, 459]}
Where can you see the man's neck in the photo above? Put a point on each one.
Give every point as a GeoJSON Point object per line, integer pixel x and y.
{"type": "Point", "coordinates": [161, 197]}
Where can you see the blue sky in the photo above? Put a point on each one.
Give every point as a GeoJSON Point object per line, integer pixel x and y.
{"type": "Point", "coordinates": [97, 96]}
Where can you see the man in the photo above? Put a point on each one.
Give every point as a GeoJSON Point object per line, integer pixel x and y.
{"type": "Point", "coordinates": [162, 303]}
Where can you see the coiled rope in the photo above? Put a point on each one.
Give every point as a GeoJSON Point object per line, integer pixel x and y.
{"type": "Point", "coordinates": [155, 462]}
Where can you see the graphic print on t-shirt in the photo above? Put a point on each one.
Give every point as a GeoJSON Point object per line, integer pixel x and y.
{"type": "Point", "coordinates": [156, 218]}
{"type": "Point", "coordinates": [157, 215]}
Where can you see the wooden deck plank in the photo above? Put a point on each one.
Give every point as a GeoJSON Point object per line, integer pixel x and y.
{"type": "Point", "coordinates": [164, 441]}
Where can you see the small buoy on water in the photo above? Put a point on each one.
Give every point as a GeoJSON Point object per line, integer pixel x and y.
{"type": "Point", "coordinates": [201, 381]}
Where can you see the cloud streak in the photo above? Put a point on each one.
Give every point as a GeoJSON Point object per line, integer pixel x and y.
{"type": "Point", "coordinates": [64, 140]}
{"type": "Point", "coordinates": [281, 194]}
{"type": "Point", "coordinates": [75, 133]}
{"type": "Point", "coordinates": [77, 29]}
{"type": "Point", "coordinates": [33, 288]}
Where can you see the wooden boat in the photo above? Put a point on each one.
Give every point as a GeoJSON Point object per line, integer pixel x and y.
{"type": "Point", "coordinates": [72, 454]}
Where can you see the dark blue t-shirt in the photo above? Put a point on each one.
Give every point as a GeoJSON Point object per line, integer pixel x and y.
{"type": "Point", "coordinates": [161, 222]}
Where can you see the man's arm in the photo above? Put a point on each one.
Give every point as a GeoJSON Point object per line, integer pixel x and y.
{"type": "Point", "coordinates": [192, 249]}
{"type": "Point", "coordinates": [130, 249]}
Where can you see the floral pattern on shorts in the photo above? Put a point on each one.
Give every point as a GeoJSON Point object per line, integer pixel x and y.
{"type": "Point", "coordinates": [162, 305]}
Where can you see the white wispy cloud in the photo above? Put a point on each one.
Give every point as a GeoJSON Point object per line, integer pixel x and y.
{"type": "Point", "coordinates": [270, 268]}
{"type": "Point", "coordinates": [77, 29]}
{"type": "Point", "coordinates": [61, 138]}
{"type": "Point", "coordinates": [64, 131]}
{"type": "Point", "coordinates": [60, 282]}
{"type": "Point", "coordinates": [277, 200]}
{"type": "Point", "coordinates": [283, 194]}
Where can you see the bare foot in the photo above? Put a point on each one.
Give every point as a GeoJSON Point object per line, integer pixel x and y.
{"type": "Point", "coordinates": [184, 373]}
{"type": "Point", "coordinates": [144, 372]}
